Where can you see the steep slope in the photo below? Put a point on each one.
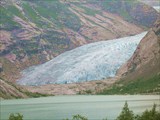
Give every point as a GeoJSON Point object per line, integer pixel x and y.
{"type": "Point", "coordinates": [131, 10]}
{"type": "Point", "coordinates": [8, 70]}
{"type": "Point", "coordinates": [33, 35]}
{"type": "Point", "coordinates": [94, 61]}
{"type": "Point", "coordinates": [146, 60]}
{"type": "Point", "coordinates": [8, 90]}
{"type": "Point", "coordinates": [141, 74]}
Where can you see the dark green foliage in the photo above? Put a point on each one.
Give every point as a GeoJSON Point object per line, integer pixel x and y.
{"type": "Point", "coordinates": [150, 115]}
{"type": "Point", "coordinates": [105, 119]}
{"type": "Point", "coordinates": [88, 92]}
{"type": "Point", "coordinates": [126, 114]}
{"type": "Point", "coordinates": [15, 117]}
{"type": "Point", "coordinates": [143, 85]}
{"type": "Point", "coordinates": [77, 117]}
{"type": "Point", "coordinates": [36, 95]}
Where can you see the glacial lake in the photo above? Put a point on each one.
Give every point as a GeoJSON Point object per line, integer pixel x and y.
{"type": "Point", "coordinates": [95, 107]}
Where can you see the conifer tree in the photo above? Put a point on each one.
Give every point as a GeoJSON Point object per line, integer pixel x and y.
{"type": "Point", "coordinates": [126, 114]}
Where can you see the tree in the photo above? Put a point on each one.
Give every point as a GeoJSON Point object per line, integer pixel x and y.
{"type": "Point", "coordinates": [79, 117]}
{"type": "Point", "coordinates": [15, 117]}
{"type": "Point", "coordinates": [126, 114]}
{"type": "Point", "coordinates": [150, 115]}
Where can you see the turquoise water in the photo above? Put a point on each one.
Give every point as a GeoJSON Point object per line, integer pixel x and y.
{"type": "Point", "coordinates": [95, 107]}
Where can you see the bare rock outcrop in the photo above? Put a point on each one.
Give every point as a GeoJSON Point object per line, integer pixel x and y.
{"type": "Point", "coordinates": [146, 59]}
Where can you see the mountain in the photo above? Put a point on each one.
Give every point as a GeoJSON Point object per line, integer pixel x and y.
{"type": "Point", "coordinates": [94, 61]}
{"type": "Point", "coordinates": [146, 59]}
{"type": "Point", "coordinates": [141, 73]}
{"type": "Point", "coordinates": [33, 32]}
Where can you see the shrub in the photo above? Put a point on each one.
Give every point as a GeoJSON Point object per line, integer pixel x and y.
{"type": "Point", "coordinates": [77, 117]}
{"type": "Point", "coordinates": [15, 116]}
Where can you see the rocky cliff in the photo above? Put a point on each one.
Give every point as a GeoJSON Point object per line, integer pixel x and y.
{"type": "Point", "coordinates": [145, 62]}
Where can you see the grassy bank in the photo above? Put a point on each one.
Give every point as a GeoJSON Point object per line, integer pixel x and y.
{"type": "Point", "coordinates": [144, 85]}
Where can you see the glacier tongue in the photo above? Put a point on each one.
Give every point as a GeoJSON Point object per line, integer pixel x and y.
{"type": "Point", "coordinates": [93, 61]}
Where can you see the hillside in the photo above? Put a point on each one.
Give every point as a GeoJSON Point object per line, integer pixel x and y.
{"type": "Point", "coordinates": [32, 35]}
{"type": "Point", "coordinates": [9, 90]}
{"type": "Point", "coordinates": [146, 59]}
{"type": "Point", "coordinates": [141, 74]}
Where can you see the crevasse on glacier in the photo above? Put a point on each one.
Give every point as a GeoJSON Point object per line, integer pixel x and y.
{"type": "Point", "coordinates": [93, 61]}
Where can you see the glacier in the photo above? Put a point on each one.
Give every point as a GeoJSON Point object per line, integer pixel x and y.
{"type": "Point", "coordinates": [94, 61]}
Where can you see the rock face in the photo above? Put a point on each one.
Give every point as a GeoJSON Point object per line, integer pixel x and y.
{"type": "Point", "coordinates": [93, 61]}
{"type": "Point", "coordinates": [146, 59]}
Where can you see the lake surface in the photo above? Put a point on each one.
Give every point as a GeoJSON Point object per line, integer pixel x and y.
{"type": "Point", "coordinates": [95, 107]}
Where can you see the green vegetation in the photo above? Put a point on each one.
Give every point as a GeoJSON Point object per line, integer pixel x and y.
{"type": "Point", "coordinates": [6, 20]}
{"type": "Point", "coordinates": [141, 85]}
{"type": "Point", "coordinates": [17, 92]}
{"type": "Point", "coordinates": [15, 11]}
{"type": "Point", "coordinates": [77, 117]}
{"type": "Point", "coordinates": [29, 11]}
{"type": "Point", "coordinates": [15, 117]}
{"type": "Point", "coordinates": [42, 13]}
{"type": "Point", "coordinates": [149, 115]}
{"type": "Point", "coordinates": [45, 15]}
{"type": "Point", "coordinates": [88, 10]}
{"type": "Point", "coordinates": [36, 95]}
{"type": "Point", "coordinates": [126, 114]}
{"type": "Point", "coordinates": [127, 9]}
{"type": "Point", "coordinates": [58, 13]}
{"type": "Point", "coordinates": [119, 7]}
{"type": "Point", "coordinates": [32, 15]}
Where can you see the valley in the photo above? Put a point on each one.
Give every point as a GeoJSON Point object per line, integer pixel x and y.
{"type": "Point", "coordinates": [72, 58]}
{"type": "Point", "coordinates": [47, 34]}
{"type": "Point", "coordinates": [51, 52]}
{"type": "Point", "coordinates": [94, 61]}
